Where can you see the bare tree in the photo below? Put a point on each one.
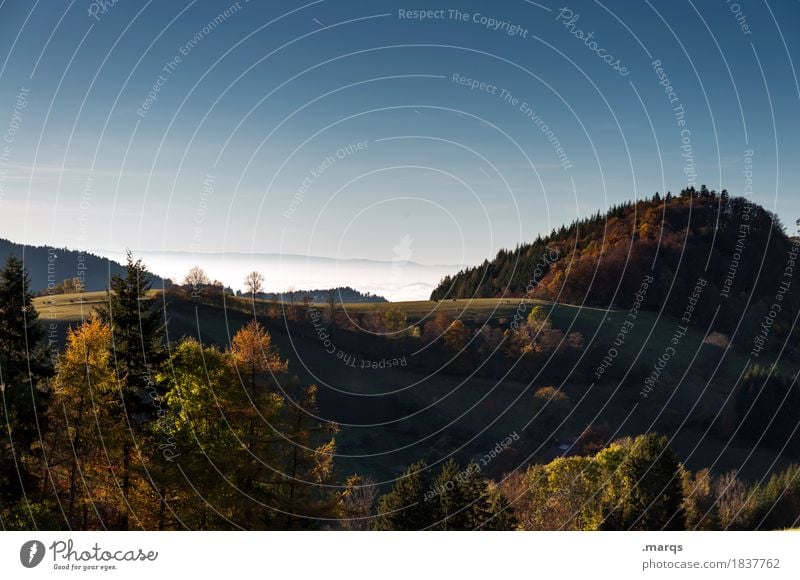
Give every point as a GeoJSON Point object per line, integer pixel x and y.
{"type": "Point", "coordinates": [254, 282]}
{"type": "Point", "coordinates": [196, 278]}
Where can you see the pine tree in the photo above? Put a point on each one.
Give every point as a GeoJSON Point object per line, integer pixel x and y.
{"type": "Point", "coordinates": [501, 515]}
{"type": "Point", "coordinates": [137, 342]}
{"type": "Point", "coordinates": [457, 500]}
{"type": "Point", "coordinates": [138, 335]}
{"type": "Point", "coordinates": [23, 365]}
{"type": "Point", "coordinates": [486, 507]}
{"type": "Point", "coordinates": [407, 506]}
{"type": "Point", "coordinates": [454, 498]}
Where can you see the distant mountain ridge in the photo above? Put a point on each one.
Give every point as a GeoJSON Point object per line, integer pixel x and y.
{"type": "Point", "coordinates": [48, 266]}
{"type": "Point", "coordinates": [395, 279]}
{"type": "Point", "coordinates": [282, 256]}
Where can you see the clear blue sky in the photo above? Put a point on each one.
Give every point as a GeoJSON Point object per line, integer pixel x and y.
{"type": "Point", "coordinates": [262, 95]}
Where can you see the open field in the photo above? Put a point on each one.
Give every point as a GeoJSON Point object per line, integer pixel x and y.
{"type": "Point", "coordinates": [71, 307]}
{"type": "Point", "coordinates": [75, 307]}
{"type": "Point", "coordinates": [465, 309]}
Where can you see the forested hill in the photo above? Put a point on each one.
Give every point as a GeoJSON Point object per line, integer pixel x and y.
{"type": "Point", "coordinates": [340, 294]}
{"type": "Point", "coordinates": [46, 265]}
{"type": "Point", "coordinates": [728, 245]}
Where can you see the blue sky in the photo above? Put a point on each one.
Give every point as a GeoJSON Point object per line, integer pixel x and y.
{"type": "Point", "coordinates": [338, 129]}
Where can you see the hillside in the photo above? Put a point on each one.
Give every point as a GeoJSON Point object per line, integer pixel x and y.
{"type": "Point", "coordinates": [733, 251]}
{"type": "Point", "coordinates": [48, 266]}
{"type": "Point", "coordinates": [386, 426]}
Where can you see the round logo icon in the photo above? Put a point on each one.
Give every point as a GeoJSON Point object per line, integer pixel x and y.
{"type": "Point", "coordinates": [31, 553]}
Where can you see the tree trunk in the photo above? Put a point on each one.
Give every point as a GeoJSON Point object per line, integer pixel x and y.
{"type": "Point", "coordinates": [74, 467]}
{"type": "Point", "coordinates": [126, 482]}
{"type": "Point", "coordinates": [161, 509]}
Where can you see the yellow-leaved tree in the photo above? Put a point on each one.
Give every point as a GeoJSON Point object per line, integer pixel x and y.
{"type": "Point", "coordinates": [85, 455]}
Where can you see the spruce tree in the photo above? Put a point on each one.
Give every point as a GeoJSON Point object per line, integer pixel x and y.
{"type": "Point", "coordinates": [455, 499]}
{"type": "Point", "coordinates": [407, 507]}
{"type": "Point", "coordinates": [138, 333]}
{"type": "Point", "coordinates": [501, 515]}
{"type": "Point", "coordinates": [23, 364]}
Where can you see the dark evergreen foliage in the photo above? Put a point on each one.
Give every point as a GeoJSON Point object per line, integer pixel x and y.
{"type": "Point", "coordinates": [24, 365]}
{"type": "Point", "coordinates": [651, 494]}
{"type": "Point", "coordinates": [766, 404]}
{"type": "Point", "coordinates": [48, 265]}
{"type": "Point", "coordinates": [457, 499]}
{"type": "Point", "coordinates": [737, 246]}
{"type": "Point", "coordinates": [138, 330]}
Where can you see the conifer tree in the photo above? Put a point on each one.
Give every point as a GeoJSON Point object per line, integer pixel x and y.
{"type": "Point", "coordinates": [454, 499]}
{"type": "Point", "coordinates": [406, 506]}
{"type": "Point", "coordinates": [23, 366]}
{"type": "Point", "coordinates": [651, 496]}
{"type": "Point", "coordinates": [501, 515]}
{"type": "Point", "coordinates": [137, 342]}
{"type": "Point", "coordinates": [138, 334]}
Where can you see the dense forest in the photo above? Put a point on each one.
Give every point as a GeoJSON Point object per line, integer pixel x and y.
{"type": "Point", "coordinates": [341, 294]}
{"type": "Point", "coordinates": [739, 250]}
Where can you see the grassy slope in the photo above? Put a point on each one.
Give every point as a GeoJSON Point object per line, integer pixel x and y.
{"type": "Point", "coordinates": [399, 415]}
